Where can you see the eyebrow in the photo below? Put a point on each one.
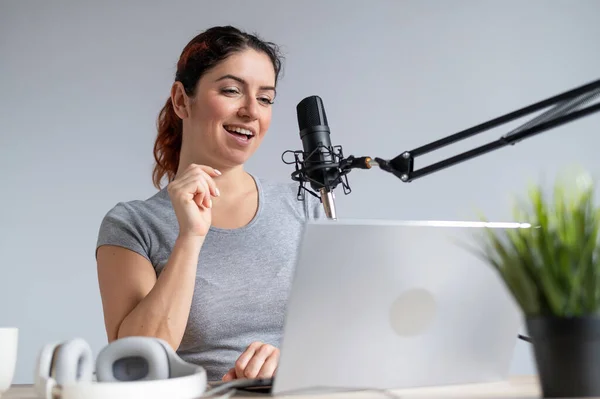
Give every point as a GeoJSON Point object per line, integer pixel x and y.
{"type": "Point", "coordinates": [242, 81]}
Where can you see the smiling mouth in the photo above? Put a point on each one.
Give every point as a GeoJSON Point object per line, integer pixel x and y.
{"type": "Point", "coordinates": [240, 133]}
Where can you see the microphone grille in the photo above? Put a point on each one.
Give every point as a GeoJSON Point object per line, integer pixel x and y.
{"type": "Point", "coordinates": [310, 112]}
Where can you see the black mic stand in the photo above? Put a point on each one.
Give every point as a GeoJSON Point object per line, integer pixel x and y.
{"type": "Point", "coordinates": [567, 108]}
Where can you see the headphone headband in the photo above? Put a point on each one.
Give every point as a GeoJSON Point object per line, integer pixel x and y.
{"type": "Point", "coordinates": [185, 387]}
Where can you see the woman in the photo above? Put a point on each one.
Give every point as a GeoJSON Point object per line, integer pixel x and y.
{"type": "Point", "coordinates": [206, 262]}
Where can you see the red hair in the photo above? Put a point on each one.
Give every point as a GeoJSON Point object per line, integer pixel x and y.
{"type": "Point", "coordinates": [202, 53]}
{"type": "Point", "coordinates": [167, 145]}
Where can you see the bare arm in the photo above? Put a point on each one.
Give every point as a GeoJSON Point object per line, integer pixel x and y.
{"type": "Point", "coordinates": [135, 302]}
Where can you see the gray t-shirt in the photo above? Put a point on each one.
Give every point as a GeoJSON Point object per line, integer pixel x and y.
{"type": "Point", "coordinates": [243, 275]}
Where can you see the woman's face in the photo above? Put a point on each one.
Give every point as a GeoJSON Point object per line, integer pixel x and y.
{"type": "Point", "coordinates": [228, 117]}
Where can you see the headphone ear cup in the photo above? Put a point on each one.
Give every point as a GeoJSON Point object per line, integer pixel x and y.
{"type": "Point", "coordinates": [133, 359]}
{"type": "Point", "coordinates": [73, 362]}
{"type": "Point", "coordinates": [45, 360]}
{"type": "Point", "coordinates": [44, 368]}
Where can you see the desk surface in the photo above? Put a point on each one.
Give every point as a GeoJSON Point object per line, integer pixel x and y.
{"type": "Point", "coordinates": [516, 387]}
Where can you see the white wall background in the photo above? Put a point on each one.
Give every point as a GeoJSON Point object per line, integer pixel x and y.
{"type": "Point", "coordinates": [81, 84]}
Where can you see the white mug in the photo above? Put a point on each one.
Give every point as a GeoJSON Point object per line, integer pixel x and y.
{"type": "Point", "coordinates": [9, 339]}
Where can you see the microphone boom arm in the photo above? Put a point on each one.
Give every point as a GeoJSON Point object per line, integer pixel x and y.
{"type": "Point", "coordinates": [565, 110]}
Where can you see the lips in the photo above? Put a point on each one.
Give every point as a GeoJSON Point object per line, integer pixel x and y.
{"type": "Point", "coordinates": [242, 130]}
{"type": "Point", "coordinates": [239, 138]}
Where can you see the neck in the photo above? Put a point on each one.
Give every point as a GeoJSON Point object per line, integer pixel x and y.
{"type": "Point", "coordinates": [232, 181]}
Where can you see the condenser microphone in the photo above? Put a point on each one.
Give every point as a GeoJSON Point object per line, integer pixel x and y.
{"type": "Point", "coordinates": [321, 169]}
{"type": "Point", "coordinates": [320, 164]}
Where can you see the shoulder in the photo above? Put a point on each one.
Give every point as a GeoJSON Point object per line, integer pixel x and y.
{"type": "Point", "coordinates": [140, 211]}
{"type": "Point", "coordinates": [291, 196]}
{"type": "Point", "coordinates": [129, 223]}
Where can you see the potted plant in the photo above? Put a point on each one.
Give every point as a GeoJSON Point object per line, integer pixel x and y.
{"type": "Point", "coordinates": [552, 270]}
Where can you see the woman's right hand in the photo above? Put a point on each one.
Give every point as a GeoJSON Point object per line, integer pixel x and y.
{"type": "Point", "coordinates": [190, 195]}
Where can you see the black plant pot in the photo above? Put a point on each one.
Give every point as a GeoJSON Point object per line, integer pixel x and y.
{"type": "Point", "coordinates": [567, 355]}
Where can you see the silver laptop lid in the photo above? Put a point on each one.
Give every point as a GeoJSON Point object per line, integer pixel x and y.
{"type": "Point", "coordinates": [393, 304]}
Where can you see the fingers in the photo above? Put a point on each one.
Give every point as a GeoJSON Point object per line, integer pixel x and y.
{"type": "Point", "coordinates": [269, 367]}
{"type": "Point", "coordinates": [200, 172]}
{"type": "Point", "coordinates": [203, 192]}
{"type": "Point", "coordinates": [259, 360]}
{"type": "Point", "coordinates": [230, 375]}
{"type": "Point", "coordinates": [242, 361]}
{"type": "Point", "coordinates": [214, 190]}
{"type": "Point", "coordinates": [211, 171]}
{"type": "Point", "coordinates": [263, 357]}
{"type": "Point", "coordinates": [197, 183]}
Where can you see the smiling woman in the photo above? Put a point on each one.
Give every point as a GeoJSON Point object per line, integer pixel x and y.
{"type": "Point", "coordinates": [206, 262]}
{"type": "Point", "coordinates": [236, 89]}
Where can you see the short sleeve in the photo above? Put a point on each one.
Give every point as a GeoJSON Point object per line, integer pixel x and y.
{"type": "Point", "coordinates": [121, 227]}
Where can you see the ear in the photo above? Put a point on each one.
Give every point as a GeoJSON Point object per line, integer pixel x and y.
{"type": "Point", "coordinates": [180, 100]}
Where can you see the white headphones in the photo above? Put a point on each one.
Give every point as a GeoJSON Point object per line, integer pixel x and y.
{"type": "Point", "coordinates": [131, 367]}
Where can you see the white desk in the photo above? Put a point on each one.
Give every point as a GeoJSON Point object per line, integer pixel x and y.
{"type": "Point", "coordinates": [516, 387]}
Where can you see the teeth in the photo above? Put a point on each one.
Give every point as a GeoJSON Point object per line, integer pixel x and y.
{"type": "Point", "coordinates": [239, 130]}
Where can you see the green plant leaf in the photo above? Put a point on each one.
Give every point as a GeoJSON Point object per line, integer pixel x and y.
{"type": "Point", "coordinates": [553, 267]}
{"type": "Point", "coordinates": [512, 268]}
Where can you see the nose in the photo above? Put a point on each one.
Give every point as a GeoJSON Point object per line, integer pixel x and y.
{"type": "Point", "coordinates": [249, 109]}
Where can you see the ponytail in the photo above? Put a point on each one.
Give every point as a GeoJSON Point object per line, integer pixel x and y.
{"type": "Point", "coordinates": [167, 145]}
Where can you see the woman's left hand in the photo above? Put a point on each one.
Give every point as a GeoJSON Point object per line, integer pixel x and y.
{"type": "Point", "coordinates": [259, 360]}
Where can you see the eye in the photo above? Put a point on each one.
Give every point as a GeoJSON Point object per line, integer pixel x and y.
{"type": "Point", "coordinates": [230, 90]}
{"type": "Point", "coordinates": [266, 100]}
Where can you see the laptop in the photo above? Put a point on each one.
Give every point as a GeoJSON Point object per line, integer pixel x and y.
{"type": "Point", "coordinates": [378, 304]}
